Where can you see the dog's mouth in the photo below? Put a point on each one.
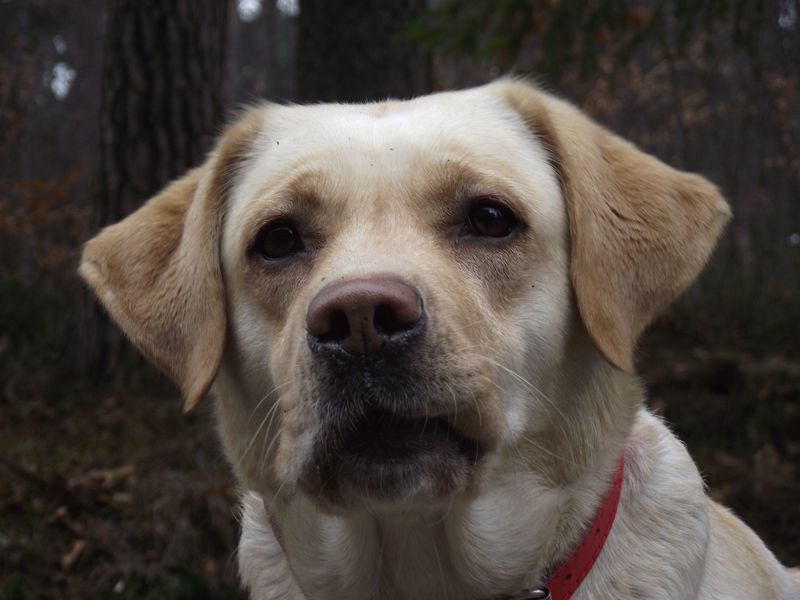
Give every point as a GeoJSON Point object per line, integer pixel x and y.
{"type": "Point", "coordinates": [387, 457]}
{"type": "Point", "coordinates": [381, 438]}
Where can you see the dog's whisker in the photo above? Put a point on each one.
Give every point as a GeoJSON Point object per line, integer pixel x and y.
{"type": "Point", "coordinates": [268, 395]}
{"type": "Point", "coordinates": [526, 438]}
{"type": "Point", "coordinates": [545, 450]}
{"type": "Point", "coordinates": [446, 513]}
{"type": "Point", "coordinates": [563, 422]}
{"type": "Point", "coordinates": [277, 493]}
{"type": "Point", "coordinates": [442, 579]}
{"type": "Point", "coordinates": [274, 438]}
{"type": "Point", "coordinates": [268, 416]}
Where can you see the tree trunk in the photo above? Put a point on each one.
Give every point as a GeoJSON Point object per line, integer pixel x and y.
{"type": "Point", "coordinates": [348, 51]}
{"type": "Point", "coordinates": [163, 98]}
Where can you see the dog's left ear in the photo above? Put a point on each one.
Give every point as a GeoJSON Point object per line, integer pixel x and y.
{"type": "Point", "coordinates": [640, 231]}
{"type": "Point", "coordinates": [158, 272]}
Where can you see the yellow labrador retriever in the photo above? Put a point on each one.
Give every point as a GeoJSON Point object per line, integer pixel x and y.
{"type": "Point", "coordinates": [418, 321]}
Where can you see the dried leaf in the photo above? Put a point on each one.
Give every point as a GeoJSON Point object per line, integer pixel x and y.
{"type": "Point", "coordinates": [69, 559]}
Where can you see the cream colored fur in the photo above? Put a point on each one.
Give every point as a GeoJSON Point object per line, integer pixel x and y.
{"type": "Point", "coordinates": [545, 333]}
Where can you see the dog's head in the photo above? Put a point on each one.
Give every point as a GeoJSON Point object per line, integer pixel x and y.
{"type": "Point", "coordinates": [388, 297]}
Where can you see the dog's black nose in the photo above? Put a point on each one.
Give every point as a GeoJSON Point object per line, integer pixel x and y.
{"type": "Point", "coordinates": [363, 314]}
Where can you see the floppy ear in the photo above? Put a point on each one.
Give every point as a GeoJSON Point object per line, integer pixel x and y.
{"type": "Point", "coordinates": [158, 272]}
{"type": "Point", "coordinates": [640, 231]}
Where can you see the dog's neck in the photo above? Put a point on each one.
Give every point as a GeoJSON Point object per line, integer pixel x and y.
{"type": "Point", "coordinates": [529, 517]}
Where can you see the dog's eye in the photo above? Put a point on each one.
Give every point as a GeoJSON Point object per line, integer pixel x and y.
{"type": "Point", "coordinates": [490, 219]}
{"type": "Point", "coordinates": [278, 240]}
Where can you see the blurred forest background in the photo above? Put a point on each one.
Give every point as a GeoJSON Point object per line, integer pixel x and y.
{"type": "Point", "coordinates": [106, 490]}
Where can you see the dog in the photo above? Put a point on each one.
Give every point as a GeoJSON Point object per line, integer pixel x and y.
{"type": "Point", "coordinates": [418, 322]}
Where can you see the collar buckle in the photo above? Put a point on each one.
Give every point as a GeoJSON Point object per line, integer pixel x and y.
{"type": "Point", "coordinates": [539, 593]}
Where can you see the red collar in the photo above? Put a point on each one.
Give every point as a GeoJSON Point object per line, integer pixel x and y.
{"type": "Point", "coordinates": [566, 580]}
{"type": "Point", "coordinates": [563, 584]}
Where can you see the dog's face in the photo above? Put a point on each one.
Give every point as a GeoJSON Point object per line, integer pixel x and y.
{"type": "Point", "coordinates": [382, 295]}
{"type": "Point", "coordinates": [383, 265]}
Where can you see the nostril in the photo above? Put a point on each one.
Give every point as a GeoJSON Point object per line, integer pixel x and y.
{"type": "Point", "coordinates": [388, 322]}
{"type": "Point", "coordinates": [361, 315]}
{"type": "Point", "coordinates": [338, 327]}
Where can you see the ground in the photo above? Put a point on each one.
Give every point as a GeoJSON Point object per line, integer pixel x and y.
{"type": "Point", "coordinates": [110, 495]}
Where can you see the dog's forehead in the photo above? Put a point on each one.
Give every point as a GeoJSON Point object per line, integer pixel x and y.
{"type": "Point", "coordinates": [392, 138]}
{"type": "Point", "coordinates": [471, 118]}
{"type": "Point", "coordinates": [387, 153]}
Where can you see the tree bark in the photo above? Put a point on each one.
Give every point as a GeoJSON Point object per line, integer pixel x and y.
{"type": "Point", "coordinates": [163, 98]}
{"type": "Point", "coordinates": [348, 51]}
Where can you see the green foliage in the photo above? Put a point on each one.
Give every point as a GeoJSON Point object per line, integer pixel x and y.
{"type": "Point", "coordinates": [590, 35]}
{"type": "Point", "coordinates": [13, 589]}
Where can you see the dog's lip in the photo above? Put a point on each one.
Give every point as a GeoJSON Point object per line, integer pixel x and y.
{"type": "Point", "coordinates": [381, 436]}
{"type": "Point", "coordinates": [387, 456]}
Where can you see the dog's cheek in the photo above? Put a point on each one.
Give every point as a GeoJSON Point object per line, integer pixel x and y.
{"type": "Point", "coordinates": [237, 423]}
{"type": "Point", "coordinates": [295, 443]}
{"type": "Point", "coordinates": [504, 303]}
{"type": "Point", "coordinates": [241, 391]}
{"type": "Point", "coordinates": [255, 391]}
{"type": "Point", "coordinates": [468, 346]}
{"type": "Point", "coordinates": [538, 351]}
{"type": "Point", "coordinates": [300, 424]}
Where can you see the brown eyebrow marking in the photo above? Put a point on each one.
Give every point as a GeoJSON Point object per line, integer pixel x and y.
{"type": "Point", "coordinates": [302, 188]}
{"type": "Point", "coordinates": [454, 179]}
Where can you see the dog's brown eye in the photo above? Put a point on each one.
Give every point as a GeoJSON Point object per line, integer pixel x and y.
{"type": "Point", "coordinates": [278, 241]}
{"type": "Point", "coordinates": [490, 219]}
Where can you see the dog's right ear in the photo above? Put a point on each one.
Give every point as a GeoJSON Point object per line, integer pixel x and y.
{"type": "Point", "coordinates": [158, 271]}
{"type": "Point", "coordinates": [640, 231]}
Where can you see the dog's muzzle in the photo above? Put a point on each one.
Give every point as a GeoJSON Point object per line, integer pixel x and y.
{"type": "Point", "coordinates": [382, 397]}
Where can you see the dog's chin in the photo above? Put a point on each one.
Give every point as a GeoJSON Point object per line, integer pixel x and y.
{"type": "Point", "coordinates": [384, 460]}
